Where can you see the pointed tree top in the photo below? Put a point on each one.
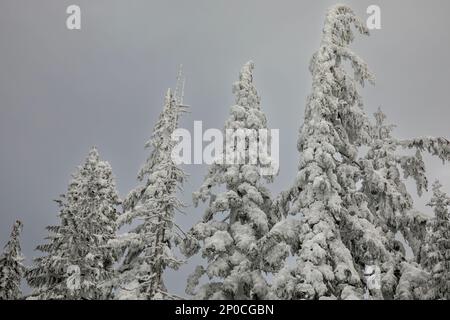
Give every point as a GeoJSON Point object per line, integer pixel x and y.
{"type": "Point", "coordinates": [15, 233]}
{"type": "Point", "coordinates": [245, 91]}
{"type": "Point", "coordinates": [11, 267]}
{"type": "Point", "coordinates": [168, 95]}
{"type": "Point", "coordinates": [179, 88]}
{"type": "Point", "coordinates": [17, 228]}
{"type": "Point", "coordinates": [338, 25]}
{"type": "Point", "coordinates": [93, 153]}
{"type": "Point", "coordinates": [382, 130]}
{"type": "Point", "coordinates": [246, 74]}
{"type": "Point", "coordinates": [379, 116]}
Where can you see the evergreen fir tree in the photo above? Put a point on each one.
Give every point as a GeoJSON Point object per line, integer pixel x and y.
{"type": "Point", "coordinates": [148, 247]}
{"type": "Point", "coordinates": [385, 168]}
{"type": "Point", "coordinates": [349, 209]}
{"type": "Point", "coordinates": [11, 267]}
{"type": "Point", "coordinates": [388, 200]}
{"type": "Point", "coordinates": [238, 214]}
{"type": "Point", "coordinates": [77, 262]}
{"type": "Point", "coordinates": [334, 216]}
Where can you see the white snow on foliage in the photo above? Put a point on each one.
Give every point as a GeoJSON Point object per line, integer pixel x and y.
{"type": "Point", "coordinates": [341, 231]}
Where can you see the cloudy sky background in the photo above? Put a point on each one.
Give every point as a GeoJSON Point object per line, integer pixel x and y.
{"type": "Point", "coordinates": [63, 91]}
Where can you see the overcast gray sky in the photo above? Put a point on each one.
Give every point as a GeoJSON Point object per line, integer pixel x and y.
{"type": "Point", "coordinates": [63, 91]}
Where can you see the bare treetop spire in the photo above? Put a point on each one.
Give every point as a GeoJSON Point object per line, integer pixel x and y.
{"type": "Point", "coordinates": [179, 88]}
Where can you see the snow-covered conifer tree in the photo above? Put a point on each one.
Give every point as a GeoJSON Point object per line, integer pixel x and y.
{"type": "Point", "coordinates": [148, 247]}
{"type": "Point", "coordinates": [388, 200]}
{"type": "Point", "coordinates": [238, 214]}
{"type": "Point", "coordinates": [383, 165]}
{"type": "Point", "coordinates": [350, 209]}
{"type": "Point", "coordinates": [77, 262]}
{"type": "Point", "coordinates": [391, 204]}
{"type": "Point", "coordinates": [334, 215]}
{"type": "Point", "coordinates": [11, 267]}
{"type": "Point", "coordinates": [437, 253]}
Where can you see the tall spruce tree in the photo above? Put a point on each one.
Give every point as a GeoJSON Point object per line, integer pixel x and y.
{"type": "Point", "coordinates": [77, 262]}
{"type": "Point", "coordinates": [11, 267]}
{"type": "Point", "coordinates": [390, 204]}
{"type": "Point", "coordinates": [350, 210]}
{"type": "Point", "coordinates": [148, 247]}
{"type": "Point", "coordinates": [238, 214]}
{"type": "Point", "coordinates": [333, 213]}
{"type": "Point", "coordinates": [385, 168]}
